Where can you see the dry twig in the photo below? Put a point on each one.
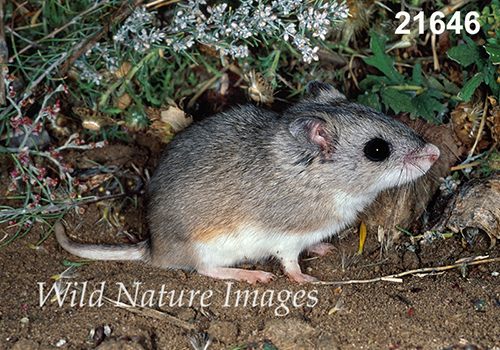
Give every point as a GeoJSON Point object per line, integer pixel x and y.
{"type": "Point", "coordinates": [428, 270]}
{"type": "Point", "coordinates": [144, 311]}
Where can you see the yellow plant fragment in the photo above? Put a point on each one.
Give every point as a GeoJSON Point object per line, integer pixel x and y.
{"type": "Point", "coordinates": [362, 237]}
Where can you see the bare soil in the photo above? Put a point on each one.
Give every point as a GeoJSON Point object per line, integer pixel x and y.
{"type": "Point", "coordinates": [454, 309]}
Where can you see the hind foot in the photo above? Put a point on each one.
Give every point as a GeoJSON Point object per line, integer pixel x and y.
{"type": "Point", "coordinates": [300, 277]}
{"type": "Point", "coordinates": [292, 269]}
{"type": "Point", "coordinates": [320, 248]}
{"type": "Point", "coordinates": [226, 273]}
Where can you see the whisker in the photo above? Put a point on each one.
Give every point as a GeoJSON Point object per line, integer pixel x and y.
{"type": "Point", "coordinates": [399, 194]}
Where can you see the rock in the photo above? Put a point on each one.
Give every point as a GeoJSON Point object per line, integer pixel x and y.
{"type": "Point", "coordinates": [327, 341]}
{"type": "Point", "coordinates": [25, 344]}
{"type": "Point", "coordinates": [410, 260]}
{"type": "Point", "coordinates": [119, 345]}
{"type": "Point", "coordinates": [223, 331]}
{"type": "Point", "coordinates": [290, 334]}
{"type": "Point", "coordinates": [477, 206]}
{"type": "Point", "coordinates": [186, 314]}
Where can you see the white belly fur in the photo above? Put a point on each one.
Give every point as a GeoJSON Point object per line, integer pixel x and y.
{"type": "Point", "coordinates": [252, 242]}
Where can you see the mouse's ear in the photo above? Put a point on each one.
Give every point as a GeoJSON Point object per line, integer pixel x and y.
{"type": "Point", "coordinates": [310, 131]}
{"type": "Point", "coordinates": [324, 91]}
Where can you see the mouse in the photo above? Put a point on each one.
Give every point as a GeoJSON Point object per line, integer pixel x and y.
{"type": "Point", "coordinates": [249, 184]}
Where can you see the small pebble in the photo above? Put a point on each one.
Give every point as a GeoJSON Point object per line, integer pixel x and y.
{"type": "Point", "coordinates": [61, 343]}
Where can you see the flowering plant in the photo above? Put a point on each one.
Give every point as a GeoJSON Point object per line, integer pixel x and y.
{"type": "Point", "coordinates": [232, 32]}
{"type": "Point", "coordinates": [229, 31]}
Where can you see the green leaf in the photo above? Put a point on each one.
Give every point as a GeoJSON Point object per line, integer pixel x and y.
{"type": "Point", "coordinates": [466, 54]}
{"type": "Point", "coordinates": [417, 78]}
{"type": "Point", "coordinates": [427, 105]}
{"type": "Point", "coordinates": [269, 346]}
{"type": "Point", "coordinates": [486, 77]}
{"type": "Point", "coordinates": [113, 111]}
{"type": "Point", "coordinates": [372, 80]}
{"type": "Point", "coordinates": [443, 84]}
{"type": "Point", "coordinates": [397, 101]}
{"type": "Point", "coordinates": [494, 52]}
{"type": "Point", "coordinates": [493, 41]}
{"type": "Point", "coordinates": [432, 83]}
{"type": "Point", "coordinates": [490, 77]}
{"type": "Point", "coordinates": [471, 86]}
{"type": "Point", "coordinates": [370, 100]}
{"type": "Point", "coordinates": [381, 60]}
{"type": "Point", "coordinates": [75, 264]}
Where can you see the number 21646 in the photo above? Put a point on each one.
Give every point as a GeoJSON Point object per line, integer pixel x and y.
{"type": "Point", "coordinates": [436, 23]}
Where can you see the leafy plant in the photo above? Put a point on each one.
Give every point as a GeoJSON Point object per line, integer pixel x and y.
{"type": "Point", "coordinates": [490, 164]}
{"type": "Point", "coordinates": [418, 95]}
{"type": "Point", "coordinates": [490, 23]}
{"type": "Point", "coordinates": [470, 54]}
{"type": "Point", "coordinates": [485, 58]}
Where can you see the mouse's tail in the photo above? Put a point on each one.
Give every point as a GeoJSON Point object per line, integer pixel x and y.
{"type": "Point", "coordinates": [137, 251]}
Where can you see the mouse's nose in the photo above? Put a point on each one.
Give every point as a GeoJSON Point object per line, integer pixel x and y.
{"type": "Point", "coordinates": [431, 152]}
{"type": "Point", "coordinates": [421, 160]}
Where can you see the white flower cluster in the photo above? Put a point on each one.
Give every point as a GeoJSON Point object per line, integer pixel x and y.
{"type": "Point", "coordinates": [134, 34]}
{"type": "Point", "coordinates": [106, 53]}
{"type": "Point", "coordinates": [88, 74]}
{"type": "Point", "coordinates": [229, 31]}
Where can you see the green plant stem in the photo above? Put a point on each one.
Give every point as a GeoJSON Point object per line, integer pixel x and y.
{"type": "Point", "coordinates": [51, 35]}
{"type": "Point", "coordinates": [51, 208]}
{"type": "Point", "coordinates": [129, 77]}
{"type": "Point", "coordinates": [272, 71]}
{"type": "Point", "coordinates": [12, 238]}
{"type": "Point", "coordinates": [404, 231]}
{"type": "Point", "coordinates": [406, 87]}
{"type": "Point", "coordinates": [418, 88]}
{"type": "Point", "coordinates": [51, 228]}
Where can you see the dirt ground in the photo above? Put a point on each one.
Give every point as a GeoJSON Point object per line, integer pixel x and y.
{"type": "Point", "coordinates": [454, 309]}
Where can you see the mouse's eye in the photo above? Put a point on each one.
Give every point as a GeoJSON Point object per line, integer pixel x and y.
{"type": "Point", "coordinates": [377, 150]}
